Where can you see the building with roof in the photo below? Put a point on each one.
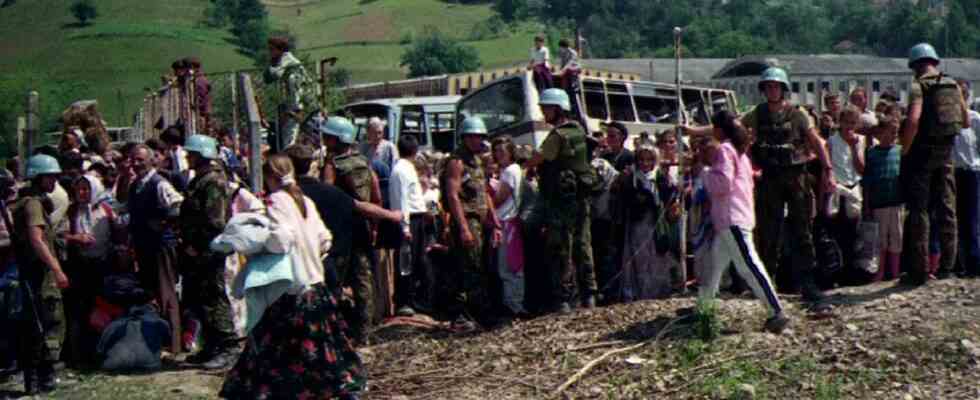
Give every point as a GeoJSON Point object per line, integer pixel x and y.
{"type": "Point", "coordinates": [695, 71]}
{"type": "Point", "coordinates": [814, 76]}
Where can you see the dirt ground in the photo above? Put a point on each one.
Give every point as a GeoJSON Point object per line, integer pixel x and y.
{"type": "Point", "coordinates": [883, 342]}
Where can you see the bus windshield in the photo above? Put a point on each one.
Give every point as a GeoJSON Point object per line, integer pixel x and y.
{"type": "Point", "coordinates": [500, 105]}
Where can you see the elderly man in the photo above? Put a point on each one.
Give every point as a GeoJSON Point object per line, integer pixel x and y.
{"type": "Point", "coordinates": [377, 148]}
{"type": "Point", "coordinates": [153, 205]}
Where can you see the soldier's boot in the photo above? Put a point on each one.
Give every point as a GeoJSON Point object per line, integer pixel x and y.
{"type": "Point", "coordinates": [31, 387]}
{"type": "Point", "coordinates": [776, 324]}
{"type": "Point", "coordinates": [564, 308]}
{"type": "Point", "coordinates": [223, 359]}
{"type": "Point", "coordinates": [47, 378]}
{"type": "Point", "coordinates": [812, 294]}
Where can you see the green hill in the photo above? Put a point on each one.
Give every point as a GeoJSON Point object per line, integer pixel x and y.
{"type": "Point", "coordinates": [132, 43]}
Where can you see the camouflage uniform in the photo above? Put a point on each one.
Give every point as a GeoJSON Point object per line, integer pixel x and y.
{"type": "Point", "coordinates": [42, 328]}
{"type": "Point", "coordinates": [295, 95]}
{"type": "Point", "coordinates": [927, 177]}
{"type": "Point", "coordinates": [781, 150]}
{"type": "Point", "coordinates": [354, 177]}
{"type": "Point", "coordinates": [567, 179]}
{"type": "Point", "coordinates": [472, 282]}
{"type": "Point", "coordinates": [203, 216]}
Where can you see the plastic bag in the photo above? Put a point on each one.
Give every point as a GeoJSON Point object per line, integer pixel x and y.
{"type": "Point", "coordinates": [866, 247]}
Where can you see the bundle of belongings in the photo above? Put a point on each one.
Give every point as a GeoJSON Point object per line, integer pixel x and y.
{"type": "Point", "coordinates": [269, 272]}
{"type": "Point", "coordinates": [83, 115]}
{"type": "Point", "coordinates": [133, 341]}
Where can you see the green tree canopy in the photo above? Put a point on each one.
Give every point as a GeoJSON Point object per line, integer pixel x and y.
{"type": "Point", "coordinates": [434, 53]}
{"type": "Point", "coordinates": [84, 11]}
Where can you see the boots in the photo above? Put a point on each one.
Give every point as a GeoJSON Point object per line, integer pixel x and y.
{"type": "Point", "coordinates": [47, 379]}
{"type": "Point", "coordinates": [31, 387]}
{"type": "Point", "coordinates": [811, 293]}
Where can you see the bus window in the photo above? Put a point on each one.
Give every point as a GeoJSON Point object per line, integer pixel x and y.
{"type": "Point", "coordinates": [360, 115]}
{"type": "Point", "coordinates": [414, 124]}
{"type": "Point", "coordinates": [595, 99]}
{"type": "Point", "coordinates": [620, 103]}
{"type": "Point", "coordinates": [442, 127]}
{"type": "Point", "coordinates": [500, 104]}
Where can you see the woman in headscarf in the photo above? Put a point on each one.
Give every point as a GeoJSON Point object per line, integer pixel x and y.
{"type": "Point", "coordinates": [644, 216]}
{"type": "Point", "coordinates": [91, 227]}
{"type": "Point", "coordinates": [301, 347]}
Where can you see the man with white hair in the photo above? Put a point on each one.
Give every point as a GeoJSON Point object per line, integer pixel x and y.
{"type": "Point", "coordinates": [377, 147]}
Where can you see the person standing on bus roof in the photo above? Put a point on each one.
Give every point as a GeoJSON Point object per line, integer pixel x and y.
{"type": "Point", "coordinates": [540, 64]}
{"type": "Point", "coordinates": [566, 179]}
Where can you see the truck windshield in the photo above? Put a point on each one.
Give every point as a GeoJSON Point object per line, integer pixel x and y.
{"type": "Point", "coordinates": [500, 104]}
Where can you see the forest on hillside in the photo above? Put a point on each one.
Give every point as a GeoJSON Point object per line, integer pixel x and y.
{"type": "Point", "coordinates": [731, 28]}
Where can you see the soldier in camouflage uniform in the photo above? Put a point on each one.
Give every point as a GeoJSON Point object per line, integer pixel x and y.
{"type": "Point", "coordinates": [203, 216]}
{"type": "Point", "coordinates": [937, 113]}
{"type": "Point", "coordinates": [567, 182]}
{"type": "Point", "coordinates": [785, 137]}
{"type": "Point", "coordinates": [294, 90]}
{"type": "Point", "coordinates": [352, 174]}
{"type": "Point", "coordinates": [469, 205]}
{"type": "Point", "coordinates": [42, 326]}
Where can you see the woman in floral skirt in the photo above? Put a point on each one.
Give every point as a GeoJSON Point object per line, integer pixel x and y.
{"type": "Point", "coordinates": [300, 348]}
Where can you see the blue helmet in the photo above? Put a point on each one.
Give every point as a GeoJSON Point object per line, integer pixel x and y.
{"type": "Point", "coordinates": [204, 145]}
{"type": "Point", "coordinates": [555, 97]}
{"type": "Point", "coordinates": [42, 164]}
{"type": "Point", "coordinates": [775, 74]}
{"type": "Point", "coordinates": [473, 126]}
{"type": "Point", "coordinates": [339, 127]}
{"type": "Point", "coordinates": [922, 51]}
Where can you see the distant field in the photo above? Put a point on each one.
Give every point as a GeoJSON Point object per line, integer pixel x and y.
{"type": "Point", "coordinates": [132, 42]}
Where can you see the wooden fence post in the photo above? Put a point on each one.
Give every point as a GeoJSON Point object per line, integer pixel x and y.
{"type": "Point", "coordinates": [251, 109]}
{"type": "Point", "coordinates": [32, 121]}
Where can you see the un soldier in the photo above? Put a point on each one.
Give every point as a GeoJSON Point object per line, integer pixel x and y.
{"type": "Point", "coordinates": [937, 113]}
{"type": "Point", "coordinates": [203, 215]}
{"type": "Point", "coordinates": [469, 205]}
{"type": "Point", "coordinates": [353, 175]}
{"type": "Point", "coordinates": [567, 181]}
{"type": "Point", "coordinates": [785, 138]}
{"type": "Point", "coordinates": [41, 329]}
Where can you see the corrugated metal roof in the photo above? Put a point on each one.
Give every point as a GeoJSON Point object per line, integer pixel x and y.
{"type": "Point", "coordinates": [694, 70]}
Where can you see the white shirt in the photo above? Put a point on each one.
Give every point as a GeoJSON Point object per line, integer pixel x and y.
{"type": "Point", "coordinates": [540, 56]}
{"type": "Point", "coordinates": [405, 191]}
{"type": "Point", "coordinates": [966, 154]}
{"type": "Point", "coordinates": [512, 177]}
{"type": "Point", "coordinates": [169, 197]}
{"type": "Point", "coordinates": [842, 159]}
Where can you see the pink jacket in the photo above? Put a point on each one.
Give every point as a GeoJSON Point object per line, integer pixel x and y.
{"type": "Point", "coordinates": [730, 183]}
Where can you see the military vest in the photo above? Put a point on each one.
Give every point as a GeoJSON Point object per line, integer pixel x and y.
{"type": "Point", "coordinates": [569, 175]}
{"type": "Point", "coordinates": [473, 189]}
{"type": "Point", "coordinates": [942, 115]}
{"type": "Point", "coordinates": [777, 144]}
{"type": "Point", "coordinates": [354, 175]}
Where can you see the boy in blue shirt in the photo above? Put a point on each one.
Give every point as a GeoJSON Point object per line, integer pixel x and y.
{"type": "Point", "coordinates": [883, 200]}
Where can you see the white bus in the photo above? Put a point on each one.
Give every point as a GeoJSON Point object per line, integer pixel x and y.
{"type": "Point", "coordinates": [509, 106]}
{"type": "Point", "coordinates": [430, 119]}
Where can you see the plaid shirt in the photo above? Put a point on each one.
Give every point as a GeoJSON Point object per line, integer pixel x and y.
{"type": "Point", "coordinates": [881, 176]}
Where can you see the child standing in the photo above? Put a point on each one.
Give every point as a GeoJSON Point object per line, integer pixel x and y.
{"type": "Point", "coordinates": [881, 191]}
{"type": "Point", "coordinates": [847, 158]}
{"type": "Point", "coordinates": [730, 184]}
{"type": "Point", "coordinates": [540, 64]}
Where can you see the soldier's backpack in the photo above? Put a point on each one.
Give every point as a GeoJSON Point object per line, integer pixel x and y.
{"type": "Point", "coordinates": [354, 176]}
{"type": "Point", "coordinates": [941, 107]}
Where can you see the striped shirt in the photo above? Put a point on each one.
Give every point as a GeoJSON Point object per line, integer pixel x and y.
{"type": "Point", "coordinates": [882, 165]}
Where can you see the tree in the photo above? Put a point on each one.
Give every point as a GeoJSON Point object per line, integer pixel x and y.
{"type": "Point", "coordinates": [510, 10]}
{"type": "Point", "coordinates": [435, 53]}
{"type": "Point", "coordinates": [84, 11]}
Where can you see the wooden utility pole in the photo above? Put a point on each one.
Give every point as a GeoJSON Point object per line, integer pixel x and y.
{"type": "Point", "coordinates": [32, 121]}
{"type": "Point", "coordinates": [251, 109]}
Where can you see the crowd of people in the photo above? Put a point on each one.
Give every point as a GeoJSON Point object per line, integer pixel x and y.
{"type": "Point", "coordinates": [165, 233]}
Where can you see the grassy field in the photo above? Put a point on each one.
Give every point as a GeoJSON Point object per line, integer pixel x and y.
{"type": "Point", "coordinates": [131, 44]}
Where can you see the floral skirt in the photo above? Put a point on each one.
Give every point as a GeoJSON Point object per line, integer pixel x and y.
{"type": "Point", "coordinates": [300, 349]}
